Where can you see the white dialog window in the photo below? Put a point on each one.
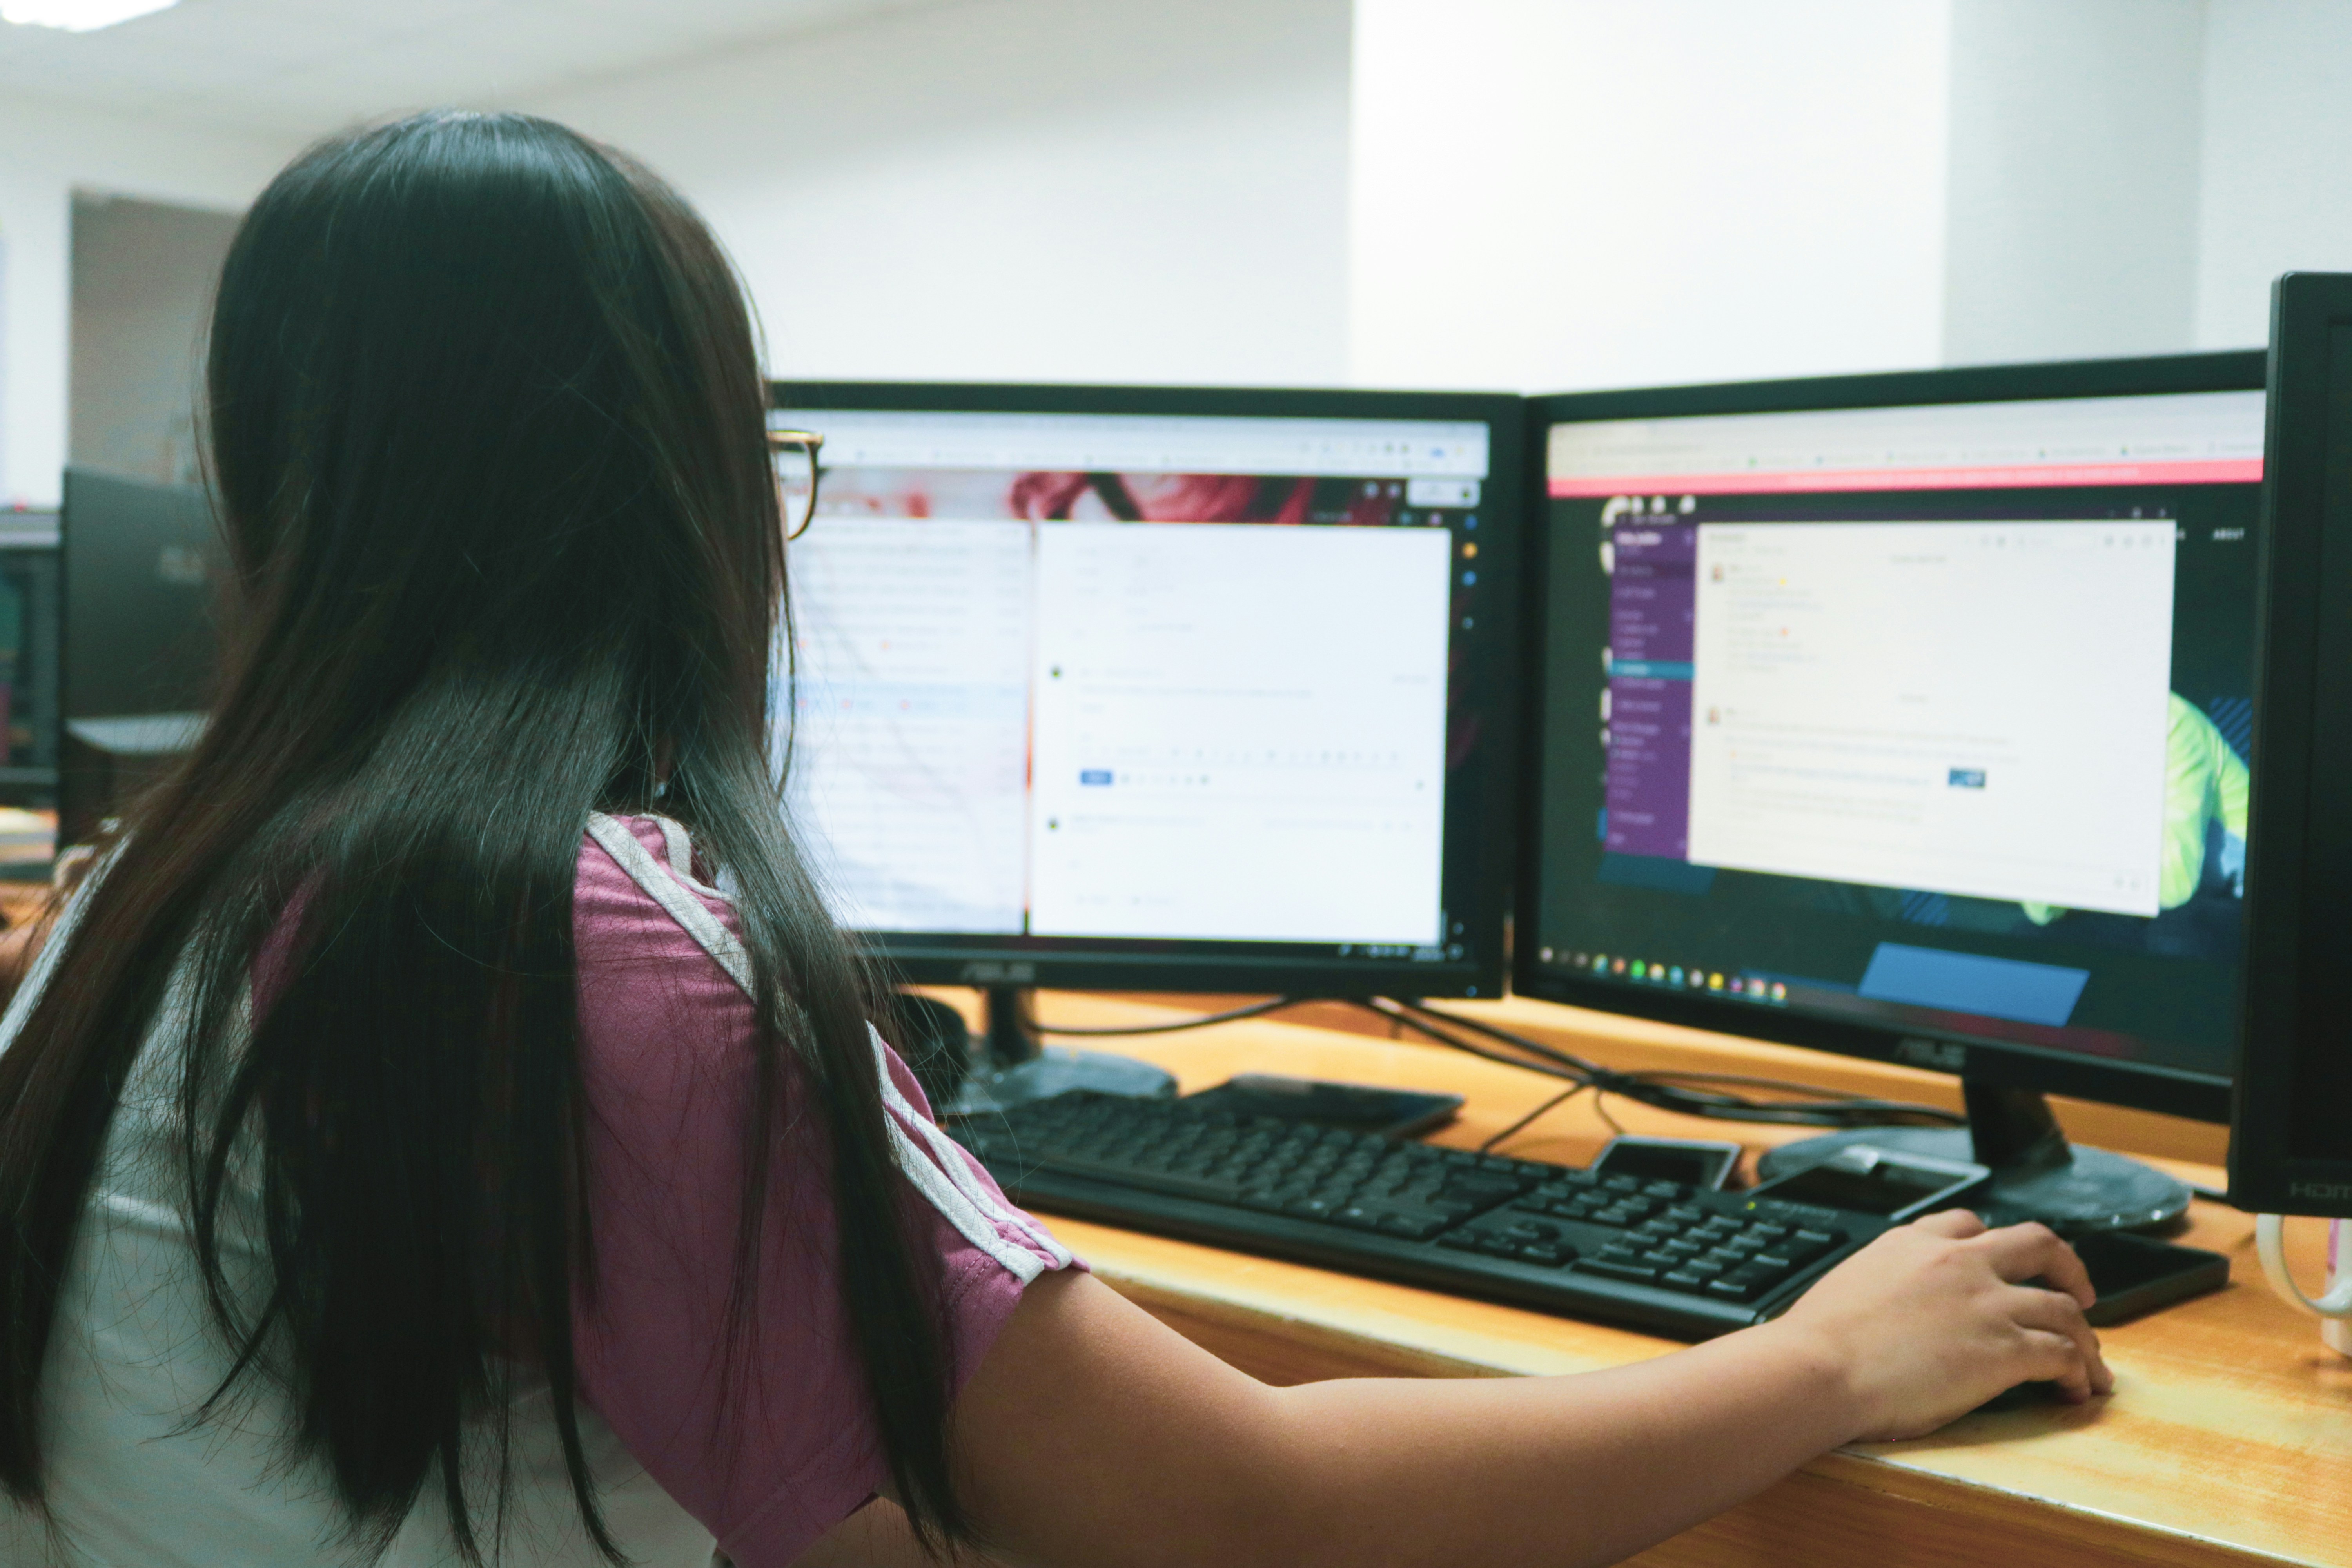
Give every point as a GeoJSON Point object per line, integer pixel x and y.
{"type": "Point", "coordinates": [1966, 708]}
{"type": "Point", "coordinates": [1240, 732]}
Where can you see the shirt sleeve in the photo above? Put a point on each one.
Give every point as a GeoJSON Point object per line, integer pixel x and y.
{"type": "Point", "coordinates": [771, 1456]}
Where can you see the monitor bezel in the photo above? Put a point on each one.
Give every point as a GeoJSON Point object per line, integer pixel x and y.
{"type": "Point", "coordinates": [2279, 1020]}
{"type": "Point", "coordinates": [2200, 1096]}
{"type": "Point", "coordinates": [1124, 965]}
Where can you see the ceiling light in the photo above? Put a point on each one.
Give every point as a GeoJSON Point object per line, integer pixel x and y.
{"type": "Point", "coordinates": [78, 16]}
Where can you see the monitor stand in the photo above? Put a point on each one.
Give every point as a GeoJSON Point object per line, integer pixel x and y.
{"type": "Point", "coordinates": [2036, 1174]}
{"type": "Point", "coordinates": [1017, 1067]}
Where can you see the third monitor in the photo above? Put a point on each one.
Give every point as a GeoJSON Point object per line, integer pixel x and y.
{"type": "Point", "coordinates": [1909, 716]}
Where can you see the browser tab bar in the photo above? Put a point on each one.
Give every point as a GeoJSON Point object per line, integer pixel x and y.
{"type": "Point", "coordinates": [1412, 449]}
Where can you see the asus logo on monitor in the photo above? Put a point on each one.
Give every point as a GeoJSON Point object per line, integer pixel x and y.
{"type": "Point", "coordinates": [1944, 1056]}
{"type": "Point", "coordinates": [2325, 1190]}
{"type": "Point", "coordinates": [985, 974]}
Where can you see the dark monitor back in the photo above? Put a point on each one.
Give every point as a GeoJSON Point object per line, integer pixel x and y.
{"type": "Point", "coordinates": [2291, 1145]}
{"type": "Point", "coordinates": [141, 563]}
{"type": "Point", "coordinates": [29, 659]}
{"type": "Point", "coordinates": [1905, 716]}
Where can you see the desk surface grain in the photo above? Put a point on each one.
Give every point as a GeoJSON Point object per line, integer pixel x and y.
{"type": "Point", "coordinates": [2228, 1439]}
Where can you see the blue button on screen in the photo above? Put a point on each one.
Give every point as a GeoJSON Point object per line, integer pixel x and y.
{"type": "Point", "coordinates": [1973, 983]}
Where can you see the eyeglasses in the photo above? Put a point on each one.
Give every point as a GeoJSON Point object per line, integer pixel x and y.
{"type": "Point", "coordinates": [794, 452]}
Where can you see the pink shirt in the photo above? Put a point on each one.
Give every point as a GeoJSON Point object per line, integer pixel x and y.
{"type": "Point", "coordinates": [664, 1039]}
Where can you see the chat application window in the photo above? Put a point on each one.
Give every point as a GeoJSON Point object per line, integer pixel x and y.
{"type": "Point", "coordinates": [1976, 709]}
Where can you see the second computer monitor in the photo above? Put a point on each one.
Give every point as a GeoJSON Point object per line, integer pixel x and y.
{"type": "Point", "coordinates": [1909, 716]}
{"type": "Point", "coordinates": [1169, 689]}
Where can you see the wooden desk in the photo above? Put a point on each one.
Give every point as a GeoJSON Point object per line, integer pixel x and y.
{"type": "Point", "coordinates": [2228, 1441]}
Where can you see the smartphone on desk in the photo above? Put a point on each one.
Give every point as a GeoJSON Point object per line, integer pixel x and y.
{"type": "Point", "coordinates": [1693, 1162]}
{"type": "Point", "coordinates": [2136, 1274]}
{"type": "Point", "coordinates": [1865, 1179]}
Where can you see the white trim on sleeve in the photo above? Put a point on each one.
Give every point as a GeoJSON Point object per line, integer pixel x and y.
{"type": "Point", "coordinates": [935, 1176]}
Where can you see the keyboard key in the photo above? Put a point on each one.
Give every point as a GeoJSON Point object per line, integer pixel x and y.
{"type": "Point", "coordinates": [1609, 1268]}
{"type": "Point", "coordinates": [1672, 1192]}
{"type": "Point", "coordinates": [1413, 1227]}
{"type": "Point", "coordinates": [1683, 1280]}
{"type": "Point", "coordinates": [1460, 1240]}
{"type": "Point", "coordinates": [1747, 1284]}
{"type": "Point", "coordinates": [1356, 1216]}
{"type": "Point", "coordinates": [1687, 1213]}
{"type": "Point", "coordinates": [1808, 1245]}
{"type": "Point", "coordinates": [1549, 1254]}
{"type": "Point", "coordinates": [1620, 1184]}
{"type": "Point", "coordinates": [1309, 1208]}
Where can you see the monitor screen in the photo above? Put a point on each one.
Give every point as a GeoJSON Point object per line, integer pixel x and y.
{"type": "Point", "coordinates": [1916, 726]}
{"type": "Point", "coordinates": [1189, 690]}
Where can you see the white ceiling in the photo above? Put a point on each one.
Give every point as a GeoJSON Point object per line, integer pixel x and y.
{"type": "Point", "coordinates": [305, 67]}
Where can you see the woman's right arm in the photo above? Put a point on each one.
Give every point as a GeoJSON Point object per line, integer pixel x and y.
{"type": "Point", "coordinates": [1093, 1434]}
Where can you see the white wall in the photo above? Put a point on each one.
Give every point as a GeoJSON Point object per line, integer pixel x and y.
{"type": "Point", "coordinates": [1560, 194]}
{"type": "Point", "coordinates": [142, 282]}
{"type": "Point", "coordinates": [2072, 206]}
{"type": "Point", "coordinates": [47, 151]}
{"type": "Point", "coordinates": [1010, 189]}
{"type": "Point", "coordinates": [2277, 157]}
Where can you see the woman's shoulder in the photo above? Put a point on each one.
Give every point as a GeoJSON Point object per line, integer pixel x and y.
{"type": "Point", "coordinates": [639, 878]}
{"type": "Point", "coordinates": [656, 945]}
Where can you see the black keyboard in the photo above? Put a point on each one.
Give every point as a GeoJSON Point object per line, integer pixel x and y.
{"type": "Point", "coordinates": [1660, 1256]}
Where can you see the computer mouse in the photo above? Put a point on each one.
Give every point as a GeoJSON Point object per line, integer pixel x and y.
{"type": "Point", "coordinates": [2023, 1396]}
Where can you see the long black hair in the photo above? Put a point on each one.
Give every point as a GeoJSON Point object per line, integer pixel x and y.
{"type": "Point", "coordinates": [487, 439]}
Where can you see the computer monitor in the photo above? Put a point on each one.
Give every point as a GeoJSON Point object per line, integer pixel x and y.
{"type": "Point", "coordinates": [141, 563]}
{"type": "Point", "coordinates": [28, 693]}
{"type": "Point", "coordinates": [1160, 689]}
{"type": "Point", "coordinates": [2290, 1142]}
{"type": "Point", "coordinates": [1909, 716]}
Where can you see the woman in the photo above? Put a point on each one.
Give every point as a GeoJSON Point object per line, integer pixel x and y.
{"type": "Point", "coordinates": [409, 1152]}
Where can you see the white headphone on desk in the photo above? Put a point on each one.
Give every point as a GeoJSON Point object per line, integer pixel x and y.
{"type": "Point", "coordinates": [2335, 1304]}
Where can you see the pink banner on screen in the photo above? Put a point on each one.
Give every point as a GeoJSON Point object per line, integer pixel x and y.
{"type": "Point", "coordinates": [2036, 476]}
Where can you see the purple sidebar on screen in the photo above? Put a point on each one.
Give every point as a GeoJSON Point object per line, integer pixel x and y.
{"type": "Point", "coordinates": [1653, 597]}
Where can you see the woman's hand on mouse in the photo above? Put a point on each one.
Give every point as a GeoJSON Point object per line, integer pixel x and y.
{"type": "Point", "coordinates": [1934, 1318]}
